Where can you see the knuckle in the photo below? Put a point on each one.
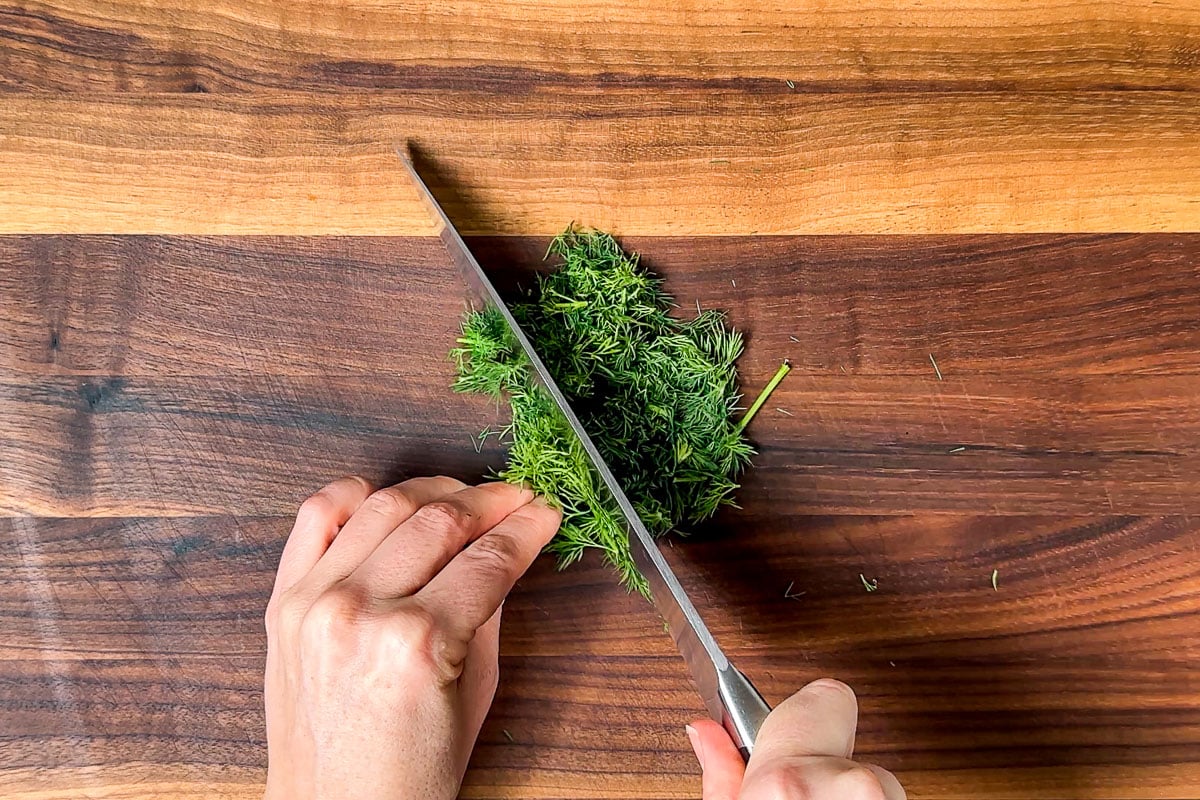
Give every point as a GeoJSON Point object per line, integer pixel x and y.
{"type": "Point", "coordinates": [407, 639]}
{"type": "Point", "coordinates": [335, 619]}
{"type": "Point", "coordinates": [778, 783]}
{"type": "Point", "coordinates": [317, 508]}
{"type": "Point", "coordinates": [390, 502]}
{"type": "Point", "coordinates": [271, 616]}
{"type": "Point", "coordinates": [362, 482]}
{"type": "Point", "coordinates": [495, 553]}
{"type": "Point", "coordinates": [860, 783]}
{"type": "Point", "coordinates": [282, 612]}
{"type": "Point", "coordinates": [443, 515]}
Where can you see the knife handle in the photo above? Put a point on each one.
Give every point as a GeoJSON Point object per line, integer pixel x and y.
{"type": "Point", "coordinates": [743, 709]}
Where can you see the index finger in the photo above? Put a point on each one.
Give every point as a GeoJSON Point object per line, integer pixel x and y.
{"type": "Point", "coordinates": [318, 523]}
{"type": "Point", "coordinates": [469, 589]}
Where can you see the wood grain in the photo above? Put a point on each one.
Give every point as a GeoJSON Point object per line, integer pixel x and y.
{"type": "Point", "coordinates": [1013, 306]}
{"type": "Point", "coordinates": [631, 161]}
{"type": "Point", "coordinates": [1016, 306]}
{"type": "Point", "coordinates": [185, 445]}
{"type": "Point", "coordinates": [137, 643]}
{"type": "Point", "coordinates": [72, 46]}
{"type": "Point", "coordinates": [150, 375]}
{"type": "Point", "coordinates": [187, 389]}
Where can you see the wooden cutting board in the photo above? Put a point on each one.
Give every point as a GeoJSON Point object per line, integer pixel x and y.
{"type": "Point", "coordinates": [968, 227]}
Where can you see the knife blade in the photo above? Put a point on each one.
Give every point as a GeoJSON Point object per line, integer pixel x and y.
{"type": "Point", "coordinates": [729, 697]}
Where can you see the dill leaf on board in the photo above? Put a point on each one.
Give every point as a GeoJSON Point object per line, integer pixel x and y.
{"type": "Point", "coordinates": [657, 394]}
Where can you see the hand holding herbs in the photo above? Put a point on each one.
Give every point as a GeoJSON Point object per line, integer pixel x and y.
{"type": "Point", "coordinates": [657, 394]}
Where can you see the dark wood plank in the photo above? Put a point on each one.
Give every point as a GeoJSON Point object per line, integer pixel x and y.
{"type": "Point", "coordinates": [257, 445]}
{"type": "Point", "coordinates": [1013, 305]}
{"type": "Point", "coordinates": [860, 305]}
{"type": "Point", "coordinates": [150, 305]}
{"type": "Point", "coordinates": [184, 445]}
{"type": "Point", "coordinates": [135, 645]}
{"type": "Point", "coordinates": [139, 369]}
{"type": "Point", "coordinates": [70, 46]}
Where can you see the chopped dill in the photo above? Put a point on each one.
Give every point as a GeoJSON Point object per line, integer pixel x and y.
{"type": "Point", "coordinates": [869, 585]}
{"type": "Point", "coordinates": [658, 395]}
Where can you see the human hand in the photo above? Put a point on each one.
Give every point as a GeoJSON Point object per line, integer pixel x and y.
{"type": "Point", "coordinates": [802, 753]}
{"type": "Point", "coordinates": [383, 634]}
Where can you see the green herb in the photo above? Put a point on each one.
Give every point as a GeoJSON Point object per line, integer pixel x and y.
{"type": "Point", "coordinates": [935, 367]}
{"type": "Point", "coordinates": [956, 449]}
{"type": "Point", "coordinates": [783, 370]}
{"type": "Point", "coordinates": [995, 579]}
{"type": "Point", "coordinates": [869, 585]}
{"type": "Point", "coordinates": [790, 84]}
{"type": "Point", "coordinates": [657, 394]}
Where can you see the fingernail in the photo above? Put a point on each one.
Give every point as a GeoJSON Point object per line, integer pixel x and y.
{"type": "Point", "coordinates": [540, 501]}
{"type": "Point", "coordinates": [697, 746]}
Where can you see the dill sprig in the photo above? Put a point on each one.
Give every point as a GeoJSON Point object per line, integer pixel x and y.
{"type": "Point", "coordinates": [657, 394]}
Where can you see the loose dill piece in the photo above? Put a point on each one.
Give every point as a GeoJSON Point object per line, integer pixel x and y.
{"type": "Point", "coordinates": [780, 373]}
{"type": "Point", "coordinates": [657, 394]}
{"type": "Point", "coordinates": [995, 580]}
{"type": "Point", "coordinates": [936, 371]}
{"type": "Point", "coordinates": [870, 585]}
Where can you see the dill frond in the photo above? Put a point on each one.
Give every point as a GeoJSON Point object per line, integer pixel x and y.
{"type": "Point", "coordinates": [658, 395]}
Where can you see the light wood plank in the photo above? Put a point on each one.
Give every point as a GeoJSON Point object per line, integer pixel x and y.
{"type": "Point", "coordinates": [215, 46]}
{"type": "Point", "coordinates": [629, 161]}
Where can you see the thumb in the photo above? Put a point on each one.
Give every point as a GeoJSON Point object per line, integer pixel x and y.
{"type": "Point", "coordinates": [720, 761]}
{"type": "Point", "coordinates": [804, 750]}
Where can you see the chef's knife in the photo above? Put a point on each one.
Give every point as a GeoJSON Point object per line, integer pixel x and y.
{"type": "Point", "coordinates": [728, 695]}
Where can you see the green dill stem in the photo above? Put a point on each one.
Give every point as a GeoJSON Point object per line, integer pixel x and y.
{"type": "Point", "coordinates": [784, 369]}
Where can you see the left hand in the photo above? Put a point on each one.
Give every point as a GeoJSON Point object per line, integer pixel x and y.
{"type": "Point", "coordinates": [383, 634]}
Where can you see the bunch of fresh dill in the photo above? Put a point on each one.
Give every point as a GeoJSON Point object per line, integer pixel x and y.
{"type": "Point", "coordinates": [657, 394]}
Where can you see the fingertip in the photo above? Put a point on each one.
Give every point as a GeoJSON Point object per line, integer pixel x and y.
{"type": "Point", "coordinates": [832, 686]}
{"type": "Point", "coordinates": [892, 789]}
{"type": "Point", "coordinates": [543, 519]}
{"type": "Point", "coordinates": [544, 504]}
{"type": "Point", "coordinates": [719, 759]}
{"type": "Point", "coordinates": [694, 740]}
